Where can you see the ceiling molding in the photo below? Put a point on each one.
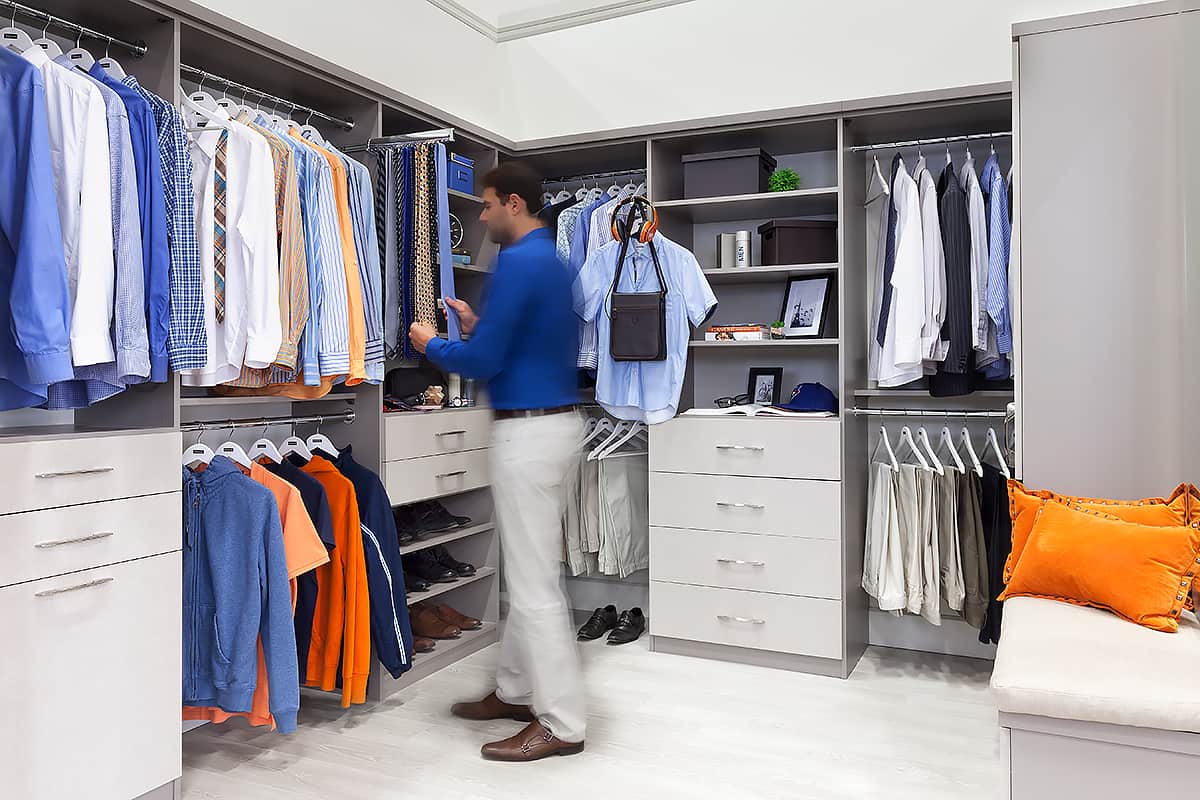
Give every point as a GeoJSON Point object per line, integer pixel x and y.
{"type": "Point", "coordinates": [552, 22]}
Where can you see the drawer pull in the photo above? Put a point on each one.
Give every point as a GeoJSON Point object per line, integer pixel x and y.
{"type": "Point", "coordinates": [454, 474]}
{"type": "Point", "coordinates": [754, 506]}
{"type": "Point", "coordinates": [78, 540]}
{"type": "Point", "coordinates": [737, 562]}
{"type": "Point", "coordinates": [752, 447]}
{"type": "Point", "coordinates": [450, 433]}
{"type": "Point", "coordinates": [68, 472]}
{"type": "Point", "coordinates": [75, 588]}
{"type": "Point", "coordinates": [741, 620]}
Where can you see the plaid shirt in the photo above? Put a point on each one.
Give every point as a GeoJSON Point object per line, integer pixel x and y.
{"type": "Point", "coordinates": [187, 342]}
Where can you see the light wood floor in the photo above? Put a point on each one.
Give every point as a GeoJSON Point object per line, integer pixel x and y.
{"type": "Point", "coordinates": [905, 725]}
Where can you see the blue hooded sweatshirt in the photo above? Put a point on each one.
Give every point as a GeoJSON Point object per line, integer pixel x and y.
{"type": "Point", "coordinates": [235, 588]}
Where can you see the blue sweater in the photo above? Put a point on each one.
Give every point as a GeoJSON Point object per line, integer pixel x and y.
{"type": "Point", "coordinates": [527, 339]}
{"type": "Point", "coordinates": [235, 588]}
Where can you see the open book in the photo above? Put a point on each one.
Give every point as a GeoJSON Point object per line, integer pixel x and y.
{"type": "Point", "coordinates": [753, 411]}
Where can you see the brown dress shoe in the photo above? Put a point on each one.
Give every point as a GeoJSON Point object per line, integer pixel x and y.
{"type": "Point", "coordinates": [423, 645]}
{"type": "Point", "coordinates": [453, 617]}
{"type": "Point", "coordinates": [427, 624]}
{"type": "Point", "coordinates": [491, 707]}
{"type": "Point", "coordinates": [533, 743]}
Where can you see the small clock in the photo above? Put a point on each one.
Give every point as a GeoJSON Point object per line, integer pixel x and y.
{"type": "Point", "coordinates": [456, 232]}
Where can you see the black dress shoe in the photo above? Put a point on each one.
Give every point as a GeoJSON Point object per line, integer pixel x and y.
{"type": "Point", "coordinates": [435, 518]}
{"type": "Point", "coordinates": [460, 568]}
{"type": "Point", "coordinates": [603, 620]}
{"type": "Point", "coordinates": [424, 565]}
{"type": "Point", "coordinates": [404, 537]}
{"type": "Point", "coordinates": [406, 525]}
{"type": "Point", "coordinates": [415, 584]}
{"type": "Point", "coordinates": [630, 626]}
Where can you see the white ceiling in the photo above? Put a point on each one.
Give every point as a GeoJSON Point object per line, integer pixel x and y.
{"type": "Point", "coordinates": [505, 20]}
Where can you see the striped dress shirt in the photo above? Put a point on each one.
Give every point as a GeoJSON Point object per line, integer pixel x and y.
{"type": "Point", "coordinates": [999, 246]}
{"type": "Point", "coordinates": [366, 245]}
{"type": "Point", "coordinates": [953, 376]}
{"type": "Point", "coordinates": [979, 254]}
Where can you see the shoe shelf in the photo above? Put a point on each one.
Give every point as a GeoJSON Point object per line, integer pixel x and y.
{"type": "Point", "coordinates": [443, 538]}
{"type": "Point", "coordinates": [447, 652]}
{"type": "Point", "coordinates": [439, 589]}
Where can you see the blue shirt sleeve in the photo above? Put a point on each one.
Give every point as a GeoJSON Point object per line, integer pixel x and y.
{"type": "Point", "coordinates": [482, 356]}
{"type": "Point", "coordinates": [276, 626]}
{"type": "Point", "coordinates": [594, 280]}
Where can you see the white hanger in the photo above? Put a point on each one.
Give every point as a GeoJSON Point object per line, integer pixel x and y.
{"type": "Point", "coordinates": [635, 429]}
{"type": "Point", "coordinates": [563, 195]}
{"type": "Point", "coordinates": [202, 98]}
{"type": "Point", "coordinates": [887, 443]}
{"type": "Point", "coordinates": [965, 437]}
{"type": "Point", "coordinates": [265, 448]}
{"type": "Point", "coordinates": [923, 435]}
{"type": "Point", "coordinates": [641, 189]}
{"type": "Point", "coordinates": [947, 441]}
{"type": "Point", "coordinates": [921, 164]}
{"type": "Point", "coordinates": [949, 158]}
{"type": "Point", "coordinates": [80, 58]}
{"type": "Point", "coordinates": [226, 102]}
{"type": "Point", "coordinates": [600, 427]}
{"type": "Point", "coordinates": [1011, 167]}
{"type": "Point", "coordinates": [617, 431]}
{"type": "Point", "coordinates": [547, 198]}
{"type": "Point", "coordinates": [321, 442]}
{"type": "Point", "coordinates": [906, 438]}
{"type": "Point", "coordinates": [995, 446]}
{"type": "Point", "coordinates": [109, 64]}
{"type": "Point", "coordinates": [198, 453]}
{"type": "Point", "coordinates": [630, 188]}
{"type": "Point", "coordinates": [49, 45]}
{"type": "Point", "coordinates": [291, 124]}
{"type": "Point", "coordinates": [294, 444]}
{"type": "Point", "coordinates": [581, 193]}
{"type": "Point", "coordinates": [309, 132]}
{"type": "Point", "coordinates": [14, 38]}
{"type": "Point", "coordinates": [877, 177]}
{"type": "Point", "coordinates": [233, 451]}
{"type": "Point", "coordinates": [614, 190]}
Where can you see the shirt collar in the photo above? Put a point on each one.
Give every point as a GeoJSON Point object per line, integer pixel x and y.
{"type": "Point", "coordinates": [194, 113]}
{"type": "Point", "coordinates": [36, 56]}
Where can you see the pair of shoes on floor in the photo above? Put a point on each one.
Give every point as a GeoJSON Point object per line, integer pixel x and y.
{"type": "Point", "coordinates": [439, 621]}
{"type": "Point", "coordinates": [621, 628]}
{"type": "Point", "coordinates": [421, 520]}
{"type": "Point", "coordinates": [433, 565]}
{"type": "Point", "coordinates": [534, 742]}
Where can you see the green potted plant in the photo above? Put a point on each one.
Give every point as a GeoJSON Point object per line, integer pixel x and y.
{"type": "Point", "coordinates": [784, 180]}
{"type": "Point", "coordinates": [777, 329]}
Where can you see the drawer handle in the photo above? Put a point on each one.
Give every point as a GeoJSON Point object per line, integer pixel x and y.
{"type": "Point", "coordinates": [752, 447]}
{"type": "Point", "coordinates": [450, 433]}
{"type": "Point", "coordinates": [68, 472]}
{"type": "Point", "coordinates": [754, 506]}
{"type": "Point", "coordinates": [75, 588]}
{"type": "Point", "coordinates": [737, 562]}
{"type": "Point", "coordinates": [741, 620]}
{"type": "Point", "coordinates": [78, 540]}
{"type": "Point", "coordinates": [454, 474]}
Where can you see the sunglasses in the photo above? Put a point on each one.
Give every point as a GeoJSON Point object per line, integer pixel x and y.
{"type": "Point", "coordinates": [730, 402]}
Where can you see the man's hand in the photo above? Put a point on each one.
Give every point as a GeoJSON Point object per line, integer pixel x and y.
{"type": "Point", "coordinates": [467, 318]}
{"type": "Point", "coordinates": [419, 333]}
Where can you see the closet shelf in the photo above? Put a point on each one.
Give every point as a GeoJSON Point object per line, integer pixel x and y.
{"type": "Point", "coordinates": [455, 194]}
{"type": "Point", "coordinates": [766, 343]}
{"type": "Point", "coordinates": [441, 588]}
{"type": "Point", "coordinates": [447, 652]}
{"type": "Point", "coordinates": [768, 205]}
{"type": "Point", "coordinates": [765, 274]}
{"type": "Point", "coordinates": [216, 400]}
{"type": "Point", "coordinates": [449, 536]}
{"type": "Point", "coordinates": [35, 433]}
{"type": "Point", "coordinates": [907, 393]}
{"type": "Point", "coordinates": [471, 269]}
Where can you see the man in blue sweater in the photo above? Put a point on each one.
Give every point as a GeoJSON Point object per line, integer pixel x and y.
{"type": "Point", "coordinates": [524, 345]}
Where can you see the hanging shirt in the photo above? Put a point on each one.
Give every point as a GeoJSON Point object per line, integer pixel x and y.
{"type": "Point", "coordinates": [366, 246]}
{"type": "Point", "coordinates": [999, 247]}
{"type": "Point", "coordinates": [35, 348]}
{"type": "Point", "coordinates": [644, 390]}
{"type": "Point", "coordinates": [187, 338]}
{"type": "Point", "coordinates": [889, 261]}
{"type": "Point", "coordinates": [388, 175]}
{"type": "Point", "coordinates": [953, 373]}
{"type": "Point", "coordinates": [599, 234]}
{"type": "Point", "coordinates": [901, 357]}
{"type": "Point", "coordinates": [568, 220]}
{"type": "Point", "coordinates": [977, 217]}
{"type": "Point", "coordinates": [78, 129]}
{"type": "Point", "coordinates": [935, 272]}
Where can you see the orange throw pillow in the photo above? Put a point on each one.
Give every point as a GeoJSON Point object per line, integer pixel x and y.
{"type": "Point", "coordinates": [1142, 573]}
{"type": "Point", "coordinates": [1023, 506]}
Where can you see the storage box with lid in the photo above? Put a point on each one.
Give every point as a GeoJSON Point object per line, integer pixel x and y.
{"type": "Point", "coordinates": [727, 172]}
{"type": "Point", "coordinates": [798, 241]}
{"type": "Point", "coordinates": [461, 173]}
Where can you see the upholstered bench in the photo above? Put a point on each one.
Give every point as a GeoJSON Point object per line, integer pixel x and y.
{"type": "Point", "coordinates": [1096, 707]}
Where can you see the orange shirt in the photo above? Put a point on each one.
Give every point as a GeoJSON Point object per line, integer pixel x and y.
{"type": "Point", "coordinates": [342, 622]}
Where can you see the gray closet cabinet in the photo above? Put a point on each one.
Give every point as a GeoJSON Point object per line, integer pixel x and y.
{"type": "Point", "coordinates": [1107, 383]}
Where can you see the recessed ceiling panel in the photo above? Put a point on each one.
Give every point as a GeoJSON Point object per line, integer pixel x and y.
{"type": "Point", "coordinates": [505, 20]}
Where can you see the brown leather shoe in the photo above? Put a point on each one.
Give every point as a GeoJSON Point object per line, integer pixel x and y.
{"type": "Point", "coordinates": [453, 617]}
{"type": "Point", "coordinates": [491, 707]}
{"type": "Point", "coordinates": [533, 743]}
{"type": "Point", "coordinates": [423, 645]}
{"type": "Point", "coordinates": [427, 624]}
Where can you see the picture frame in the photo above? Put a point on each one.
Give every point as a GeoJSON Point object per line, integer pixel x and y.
{"type": "Point", "coordinates": [806, 303]}
{"type": "Point", "coordinates": [765, 385]}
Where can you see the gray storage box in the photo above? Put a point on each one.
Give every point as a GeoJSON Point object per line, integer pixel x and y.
{"type": "Point", "coordinates": [727, 172]}
{"type": "Point", "coordinates": [798, 241]}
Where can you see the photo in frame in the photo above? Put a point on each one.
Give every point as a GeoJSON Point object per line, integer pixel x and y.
{"type": "Point", "coordinates": [765, 385]}
{"type": "Point", "coordinates": [806, 303]}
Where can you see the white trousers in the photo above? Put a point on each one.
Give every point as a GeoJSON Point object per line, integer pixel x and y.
{"type": "Point", "coordinates": [539, 664]}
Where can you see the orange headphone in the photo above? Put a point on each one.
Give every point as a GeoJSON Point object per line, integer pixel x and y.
{"type": "Point", "coordinates": [621, 227]}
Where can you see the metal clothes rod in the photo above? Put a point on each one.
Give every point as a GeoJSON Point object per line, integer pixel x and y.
{"type": "Point", "coordinates": [436, 135]}
{"type": "Point", "coordinates": [935, 140]}
{"type": "Point", "coordinates": [263, 422]}
{"type": "Point", "coordinates": [595, 176]}
{"type": "Point", "coordinates": [139, 49]}
{"type": "Point", "coordinates": [922, 412]}
{"type": "Point", "coordinates": [204, 75]}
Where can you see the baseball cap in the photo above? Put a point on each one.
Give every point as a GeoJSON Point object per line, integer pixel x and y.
{"type": "Point", "coordinates": [810, 397]}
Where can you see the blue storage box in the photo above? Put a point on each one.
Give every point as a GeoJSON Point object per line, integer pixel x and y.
{"type": "Point", "coordinates": [462, 173]}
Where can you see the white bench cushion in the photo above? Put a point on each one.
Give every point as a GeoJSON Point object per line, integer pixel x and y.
{"type": "Point", "coordinates": [1070, 662]}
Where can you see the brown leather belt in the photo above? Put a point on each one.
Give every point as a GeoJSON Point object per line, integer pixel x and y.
{"type": "Point", "coordinates": [523, 413]}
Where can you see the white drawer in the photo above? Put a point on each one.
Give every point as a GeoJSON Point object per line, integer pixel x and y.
{"type": "Point", "coordinates": [778, 564]}
{"type": "Point", "coordinates": [798, 625]}
{"type": "Point", "coordinates": [758, 446]}
{"type": "Point", "coordinates": [809, 509]}
{"type": "Point", "coordinates": [435, 476]}
{"type": "Point", "coordinates": [413, 435]}
{"type": "Point", "coordinates": [64, 472]}
{"type": "Point", "coordinates": [38, 544]}
{"type": "Point", "coordinates": [91, 681]}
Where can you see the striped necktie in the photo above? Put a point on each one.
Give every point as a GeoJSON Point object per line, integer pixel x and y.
{"type": "Point", "coordinates": [219, 227]}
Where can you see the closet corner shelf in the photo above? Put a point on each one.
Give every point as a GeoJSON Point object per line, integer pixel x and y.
{"type": "Point", "coordinates": [217, 400]}
{"type": "Point", "coordinates": [764, 274]}
{"type": "Point", "coordinates": [455, 194]}
{"type": "Point", "coordinates": [764, 343]}
{"type": "Point", "coordinates": [471, 269]}
{"type": "Point", "coordinates": [767, 205]}
{"type": "Point", "coordinates": [1006, 394]}
{"type": "Point", "coordinates": [449, 536]}
{"type": "Point", "coordinates": [441, 588]}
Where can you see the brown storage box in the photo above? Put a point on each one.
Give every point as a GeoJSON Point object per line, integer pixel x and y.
{"type": "Point", "coordinates": [798, 241]}
{"type": "Point", "coordinates": [728, 172]}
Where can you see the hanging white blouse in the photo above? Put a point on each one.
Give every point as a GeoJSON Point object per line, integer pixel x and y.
{"type": "Point", "coordinates": [934, 349]}
{"type": "Point", "coordinates": [901, 359]}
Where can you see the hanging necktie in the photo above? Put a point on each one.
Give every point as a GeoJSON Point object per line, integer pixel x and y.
{"type": "Point", "coordinates": [426, 294]}
{"type": "Point", "coordinates": [219, 227]}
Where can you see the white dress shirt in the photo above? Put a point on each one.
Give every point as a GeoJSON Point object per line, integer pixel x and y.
{"type": "Point", "coordinates": [901, 360]}
{"type": "Point", "coordinates": [251, 332]}
{"type": "Point", "coordinates": [78, 126]}
{"type": "Point", "coordinates": [977, 216]}
{"type": "Point", "coordinates": [935, 271]}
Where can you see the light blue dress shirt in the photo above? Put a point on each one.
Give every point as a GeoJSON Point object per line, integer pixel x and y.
{"type": "Point", "coordinates": [34, 303]}
{"type": "Point", "coordinates": [646, 391]}
{"type": "Point", "coordinates": [999, 247]}
{"type": "Point", "coordinates": [445, 261]}
{"type": "Point", "coordinates": [366, 248]}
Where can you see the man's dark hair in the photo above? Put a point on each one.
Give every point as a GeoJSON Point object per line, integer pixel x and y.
{"type": "Point", "coordinates": [514, 177]}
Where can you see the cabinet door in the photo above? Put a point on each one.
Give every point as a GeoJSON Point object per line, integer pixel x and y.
{"type": "Point", "coordinates": [91, 673]}
{"type": "Point", "coordinates": [1103, 369]}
